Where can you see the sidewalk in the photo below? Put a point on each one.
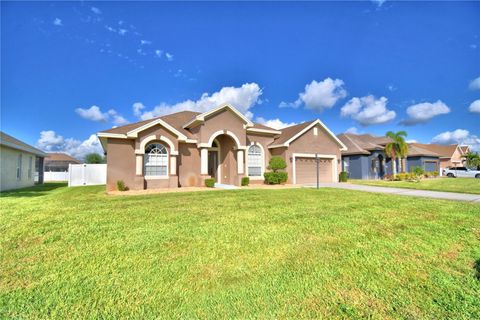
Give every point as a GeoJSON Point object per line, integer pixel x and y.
{"type": "Point", "coordinates": [404, 192]}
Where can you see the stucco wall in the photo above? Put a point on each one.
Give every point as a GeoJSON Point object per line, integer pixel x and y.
{"type": "Point", "coordinates": [9, 161]}
{"type": "Point", "coordinates": [121, 164]}
{"type": "Point", "coordinates": [157, 131]}
{"type": "Point", "coordinates": [422, 162]}
{"type": "Point", "coordinates": [189, 165]}
{"type": "Point", "coordinates": [224, 120]}
{"type": "Point", "coordinates": [322, 143]}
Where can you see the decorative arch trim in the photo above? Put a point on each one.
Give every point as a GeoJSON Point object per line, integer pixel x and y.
{"type": "Point", "coordinates": [151, 138]}
{"type": "Point", "coordinates": [220, 132]}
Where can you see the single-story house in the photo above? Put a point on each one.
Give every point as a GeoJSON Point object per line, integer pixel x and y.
{"type": "Point", "coordinates": [185, 148]}
{"type": "Point", "coordinates": [365, 157]}
{"type": "Point", "coordinates": [450, 155]}
{"type": "Point", "coordinates": [22, 164]}
{"type": "Point", "coordinates": [58, 162]}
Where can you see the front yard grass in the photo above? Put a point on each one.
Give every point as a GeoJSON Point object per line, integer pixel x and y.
{"type": "Point", "coordinates": [293, 253]}
{"type": "Point", "coordinates": [462, 185]}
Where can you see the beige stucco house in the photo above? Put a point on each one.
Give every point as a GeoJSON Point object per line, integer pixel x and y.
{"type": "Point", "coordinates": [20, 163]}
{"type": "Point", "coordinates": [185, 148]}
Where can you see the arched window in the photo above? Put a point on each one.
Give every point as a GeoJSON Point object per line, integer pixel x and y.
{"type": "Point", "coordinates": [156, 160]}
{"type": "Point", "coordinates": [255, 161]}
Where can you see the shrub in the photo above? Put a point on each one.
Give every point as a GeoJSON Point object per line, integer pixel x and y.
{"type": "Point", "coordinates": [121, 185]}
{"type": "Point", "coordinates": [275, 177]}
{"type": "Point", "coordinates": [210, 182]}
{"type": "Point", "coordinates": [417, 173]}
{"type": "Point", "coordinates": [435, 174]}
{"type": "Point", "coordinates": [389, 177]}
{"type": "Point", "coordinates": [276, 163]}
{"type": "Point", "coordinates": [401, 177]}
{"type": "Point", "coordinates": [245, 181]}
{"type": "Point", "coordinates": [343, 176]}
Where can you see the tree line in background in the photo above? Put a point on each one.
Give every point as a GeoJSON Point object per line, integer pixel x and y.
{"type": "Point", "coordinates": [95, 158]}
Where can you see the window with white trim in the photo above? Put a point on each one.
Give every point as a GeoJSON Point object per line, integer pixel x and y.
{"type": "Point", "coordinates": [346, 165]}
{"type": "Point", "coordinates": [19, 167]}
{"type": "Point", "coordinates": [254, 161]}
{"type": "Point", "coordinates": [30, 162]}
{"type": "Point", "coordinates": [156, 160]}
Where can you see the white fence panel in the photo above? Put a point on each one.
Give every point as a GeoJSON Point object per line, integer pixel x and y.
{"type": "Point", "coordinates": [55, 176]}
{"type": "Point", "coordinates": [87, 174]}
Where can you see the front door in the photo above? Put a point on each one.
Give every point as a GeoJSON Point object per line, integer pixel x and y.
{"type": "Point", "coordinates": [213, 164]}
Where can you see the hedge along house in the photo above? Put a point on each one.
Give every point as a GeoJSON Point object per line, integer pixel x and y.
{"type": "Point", "coordinates": [185, 148]}
{"type": "Point", "coordinates": [365, 157]}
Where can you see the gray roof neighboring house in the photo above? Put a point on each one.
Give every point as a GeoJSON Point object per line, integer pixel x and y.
{"type": "Point", "coordinates": [362, 143]}
{"type": "Point", "coordinates": [11, 142]}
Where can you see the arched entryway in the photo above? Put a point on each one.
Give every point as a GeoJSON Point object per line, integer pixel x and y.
{"type": "Point", "coordinates": [381, 165]}
{"type": "Point", "coordinates": [223, 158]}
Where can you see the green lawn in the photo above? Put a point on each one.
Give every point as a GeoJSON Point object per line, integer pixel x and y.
{"type": "Point", "coordinates": [70, 253]}
{"type": "Point", "coordinates": [464, 185]}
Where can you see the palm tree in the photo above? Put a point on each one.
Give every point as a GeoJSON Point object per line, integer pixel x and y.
{"type": "Point", "coordinates": [472, 159]}
{"type": "Point", "coordinates": [397, 148]}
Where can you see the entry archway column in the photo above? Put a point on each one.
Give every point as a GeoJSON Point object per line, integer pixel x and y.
{"type": "Point", "coordinates": [240, 162]}
{"type": "Point", "coordinates": [139, 164]}
{"type": "Point", "coordinates": [204, 161]}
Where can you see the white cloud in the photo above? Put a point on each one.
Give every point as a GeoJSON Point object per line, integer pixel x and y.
{"type": "Point", "coordinates": [169, 56]}
{"type": "Point", "coordinates": [319, 95]}
{"type": "Point", "coordinates": [474, 84]}
{"type": "Point", "coordinates": [391, 88]}
{"type": "Point", "coordinates": [96, 10]}
{"type": "Point", "coordinates": [475, 106]}
{"type": "Point", "coordinates": [117, 119]}
{"type": "Point", "coordinates": [58, 22]}
{"type": "Point", "coordinates": [50, 141]}
{"type": "Point", "coordinates": [158, 53]}
{"type": "Point", "coordinates": [93, 113]}
{"type": "Point", "coordinates": [460, 136]}
{"type": "Point", "coordinates": [122, 32]}
{"type": "Point", "coordinates": [379, 3]}
{"type": "Point", "coordinates": [242, 98]}
{"type": "Point", "coordinates": [353, 130]}
{"type": "Point", "coordinates": [422, 112]}
{"type": "Point", "coordinates": [368, 110]}
{"type": "Point", "coordinates": [275, 123]}
{"type": "Point", "coordinates": [411, 141]}
{"type": "Point", "coordinates": [145, 42]}
{"type": "Point", "coordinates": [137, 108]}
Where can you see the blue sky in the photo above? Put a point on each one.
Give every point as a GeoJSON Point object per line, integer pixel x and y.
{"type": "Point", "coordinates": [71, 69]}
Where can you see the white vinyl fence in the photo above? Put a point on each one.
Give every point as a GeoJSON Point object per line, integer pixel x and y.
{"type": "Point", "coordinates": [55, 176]}
{"type": "Point", "coordinates": [87, 174]}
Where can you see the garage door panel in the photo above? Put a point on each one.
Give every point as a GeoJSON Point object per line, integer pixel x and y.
{"type": "Point", "coordinates": [306, 170]}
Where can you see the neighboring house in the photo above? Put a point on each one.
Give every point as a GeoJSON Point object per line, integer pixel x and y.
{"type": "Point", "coordinates": [20, 165]}
{"type": "Point", "coordinates": [365, 157]}
{"type": "Point", "coordinates": [185, 148]}
{"type": "Point", "coordinates": [58, 162]}
{"type": "Point", "coordinates": [450, 155]}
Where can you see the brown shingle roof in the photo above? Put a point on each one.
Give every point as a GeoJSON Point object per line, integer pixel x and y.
{"type": "Point", "coordinates": [416, 151]}
{"type": "Point", "coordinates": [261, 126]}
{"type": "Point", "coordinates": [9, 141]}
{"type": "Point", "coordinates": [59, 156]}
{"type": "Point", "coordinates": [176, 120]}
{"type": "Point", "coordinates": [464, 149]}
{"type": "Point", "coordinates": [444, 151]}
{"type": "Point", "coordinates": [289, 132]}
{"type": "Point", "coordinates": [362, 143]}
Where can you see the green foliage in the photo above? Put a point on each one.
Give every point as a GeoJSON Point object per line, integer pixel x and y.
{"type": "Point", "coordinates": [472, 159]}
{"type": "Point", "coordinates": [76, 253]}
{"type": "Point", "coordinates": [210, 182]}
{"type": "Point", "coordinates": [94, 158]}
{"type": "Point", "coordinates": [121, 185]}
{"type": "Point", "coordinates": [275, 177]}
{"type": "Point", "coordinates": [343, 176]}
{"type": "Point", "coordinates": [276, 163]}
{"type": "Point", "coordinates": [245, 181]}
{"type": "Point", "coordinates": [397, 148]}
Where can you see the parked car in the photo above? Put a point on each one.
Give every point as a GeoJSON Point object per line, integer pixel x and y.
{"type": "Point", "coordinates": [461, 172]}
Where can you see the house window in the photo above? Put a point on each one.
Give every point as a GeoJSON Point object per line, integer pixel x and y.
{"type": "Point", "coordinates": [156, 160]}
{"type": "Point", "coordinates": [19, 167]}
{"type": "Point", "coordinates": [254, 161]}
{"type": "Point", "coordinates": [374, 165]}
{"type": "Point", "coordinates": [30, 162]}
{"type": "Point", "coordinates": [346, 165]}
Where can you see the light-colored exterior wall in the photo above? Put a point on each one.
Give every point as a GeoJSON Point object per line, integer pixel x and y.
{"type": "Point", "coordinates": [455, 160]}
{"type": "Point", "coordinates": [9, 161]}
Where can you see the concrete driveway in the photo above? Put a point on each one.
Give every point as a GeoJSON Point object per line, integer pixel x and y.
{"type": "Point", "coordinates": [403, 191]}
